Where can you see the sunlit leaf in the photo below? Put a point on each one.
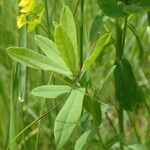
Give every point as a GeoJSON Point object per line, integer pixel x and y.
{"type": "Point", "coordinates": [50, 91]}
{"type": "Point", "coordinates": [36, 60]}
{"type": "Point", "coordinates": [68, 117]}
{"type": "Point", "coordinates": [99, 46]}
{"type": "Point", "coordinates": [66, 48]}
{"type": "Point", "coordinates": [68, 23]}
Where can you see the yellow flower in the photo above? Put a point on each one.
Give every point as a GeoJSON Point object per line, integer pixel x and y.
{"type": "Point", "coordinates": [26, 5]}
{"type": "Point", "coordinates": [21, 21]}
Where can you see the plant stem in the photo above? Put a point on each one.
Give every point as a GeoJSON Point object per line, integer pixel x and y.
{"type": "Point", "coordinates": [81, 32]}
{"type": "Point", "coordinates": [22, 68]}
{"type": "Point", "coordinates": [12, 131]}
{"type": "Point", "coordinates": [47, 19]}
{"type": "Point", "coordinates": [121, 126]}
{"type": "Point", "coordinates": [41, 113]}
{"type": "Point", "coordinates": [120, 43]}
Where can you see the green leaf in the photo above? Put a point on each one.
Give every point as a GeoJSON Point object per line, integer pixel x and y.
{"type": "Point", "coordinates": [68, 117]}
{"type": "Point", "coordinates": [112, 8]}
{"type": "Point", "coordinates": [65, 48]}
{"type": "Point", "coordinates": [138, 39]}
{"type": "Point", "coordinates": [99, 46]}
{"type": "Point", "coordinates": [50, 91]}
{"type": "Point", "coordinates": [125, 85]}
{"type": "Point", "coordinates": [94, 108]}
{"type": "Point", "coordinates": [50, 49]}
{"type": "Point", "coordinates": [130, 84]}
{"type": "Point", "coordinates": [82, 140]}
{"type": "Point", "coordinates": [68, 23]}
{"type": "Point", "coordinates": [119, 85]}
{"type": "Point", "coordinates": [97, 24]}
{"type": "Point", "coordinates": [36, 60]}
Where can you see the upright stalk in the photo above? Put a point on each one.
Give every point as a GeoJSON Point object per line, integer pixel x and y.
{"type": "Point", "coordinates": [81, 32]}
{"type": "Point", "coordinates": [41, 113]}
{"type": "Point", "coordinates": [47, 20]}
{"type": "Point", "coordinates": [22, 70]}
{"type": "Point", "coordinates": [12, 130]}
{"type": "Point", "coordinates": [121, 126]}
{"type": "Point", "coordinates": [120, 42]}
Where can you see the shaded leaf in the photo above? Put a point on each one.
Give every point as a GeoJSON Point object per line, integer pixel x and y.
{"type": "Point", "coordinates": [97, 24]}
{"type": "Point", "coordinates": [94, 108]}
{"type": "Point", "coordinates": [112, 8]}
{"type": "Point", "coordinates": [125, 85]}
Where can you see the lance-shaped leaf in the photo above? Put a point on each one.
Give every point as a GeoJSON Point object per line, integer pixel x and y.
{"type": "Point", "coordinates": [82, 140]}
{"type": "Point", "coordinates": [68, 23]}
{"type": "Point", "coordinates": [50, 91]}
{"type": "Point", "coordinates": [50, 49]}
{"type": "Point", "coordinates": [125, 85]}
{"type": "Point", "coordinates": [99, 46]}
{"type": "Point", "coordinates": [112, 8]}
{"type": "Point", "coordinates": [36, 60]}
{"type": "Point", "coordinates": [68, 117]}
{"type": "Point", "coordinates": [65, 48]}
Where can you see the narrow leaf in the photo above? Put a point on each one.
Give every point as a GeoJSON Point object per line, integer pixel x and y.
{"type": "Point", "coordinates": [68, 23]}
{"type": "Point", "coordinates": [68, 117]}
{"type": "Point", "coordinates": [50, 49]}
{"type": "Point", "coordinates": [50, 91]}
{"type": "Point", "coordinates": [99, 46]}
{"type": "Point", "coordinates": [65, 48]}
{"type": "Point", "coordinates": [36, 60]}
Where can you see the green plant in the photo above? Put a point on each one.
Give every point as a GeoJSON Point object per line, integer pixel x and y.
{"type": "Point", "coordinates": [94, 90]}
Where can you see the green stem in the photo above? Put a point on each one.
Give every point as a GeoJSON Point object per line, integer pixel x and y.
{"type": "Point", "coordinates": [41, 113]}
{"type": "Point", "coordinates": [121, 126]}
{"type": "Point", "coordinates": [12, 131]}
{"type": "Point", "coordinates": [47, 19]}
{"type": "Point", "coordinates": [120, 43]}
{"type": "Point", "coordinates": [81, 32]}
{"type": "Point", "coordinates": [22, 70]}
{"type": "Point", "coordinates": [124, 33]}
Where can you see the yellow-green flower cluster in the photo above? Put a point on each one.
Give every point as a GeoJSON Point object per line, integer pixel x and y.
{"type": "Point", "coordinates": [28, 14]}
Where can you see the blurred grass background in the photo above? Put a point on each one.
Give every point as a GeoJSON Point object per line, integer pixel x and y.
{"type": "Point", "coordinates": [29, 110]}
